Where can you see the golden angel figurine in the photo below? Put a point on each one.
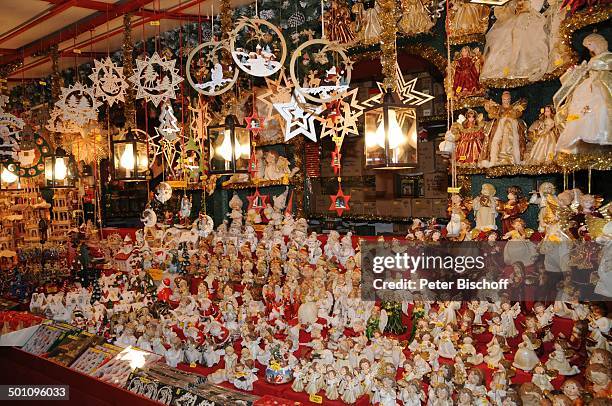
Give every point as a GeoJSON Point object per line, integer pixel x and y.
{"type": "Point", "coordinates": [467, 18]}
{"type": "Point", "coordinates": [584, 101]}
{"type": "Point", "coordinates": [338, 23]}
{"type": "Point", "coordinates": [517, 43]}
{"type": "Point", "coordinates": [367, 23]}
{"type": "Point", "coordinates": [415, 18]}
{"type": "Point", "coordinates": [470, 135]}
{"type": "Point", "coordinates": [465, 73]}
{"type": "Point", "coordinates": [505, 142]}
{"type": "Point", "coordinates": [559, 52]}
{"type": "Point", "coordinates": [544, 134]}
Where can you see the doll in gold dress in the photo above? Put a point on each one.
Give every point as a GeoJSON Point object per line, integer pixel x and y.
{"type": "Point", "coordinates": [470, 137]}
{"type": "Point", "coordinates": [415, 18]}
{"type": "Point", "coordinates": [468, 18]}
{"type": "Point", "coordinates": [544, 133]}
{"type": "Point", "coordinates": [505, 142]}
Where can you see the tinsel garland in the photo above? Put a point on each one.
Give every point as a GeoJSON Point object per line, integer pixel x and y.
{"type": "Point", "coordinates": [226, 14]}
{"type": "Point", "coordinates": [426, 52]}
{"type": "Point", "coordinates": [129, 107]}
{"type": "Point", "coordinates": [388, 51]}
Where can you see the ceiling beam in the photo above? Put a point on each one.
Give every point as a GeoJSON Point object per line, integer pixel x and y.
{"type": "Point", "coordinates": [39, 19]}
{"type": "Point", "coordinates": [168, 15]}
{"type": "Point", "coordinates": [76, 29]}
{"type": "Point", "coordinates": [89, 4]}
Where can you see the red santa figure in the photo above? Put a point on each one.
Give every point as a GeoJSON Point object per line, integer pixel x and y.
{"type": "Point", "coordinates": [164, 292]}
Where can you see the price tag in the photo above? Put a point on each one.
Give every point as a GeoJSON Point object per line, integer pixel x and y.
{"type": "Point", "coordinates": [156, 274]}
{"type": "Point", "coordinates": [192, 365]}
{"type": "Point", "coordinates": [316, 399]}
{"type": "Point", "coordinates": [76, 51]}
{"type": "Point", "coordinates": [453, 189]}
{"type": "Point", "coordinates": [42, 83]}
{"type": "Point", "coordinates": [154, 23]}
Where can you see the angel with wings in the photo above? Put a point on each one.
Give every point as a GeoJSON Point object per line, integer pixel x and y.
{"type": "Point", "coordinates": [470, 135]}
{"type": "Point", "coordinates": [465, 71]}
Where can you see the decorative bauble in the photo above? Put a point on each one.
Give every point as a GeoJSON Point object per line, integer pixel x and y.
{"type": "Point", "coordinates": [149, 218]}
{"type": "Point", "coordinates": [258, 47]}
{"type": "Point", "coordinates": [211, 77]}
{"type": "Point", "coordinates": [163, 192]}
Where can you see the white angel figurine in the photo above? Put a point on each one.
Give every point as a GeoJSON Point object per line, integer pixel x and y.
{"type": "Point", "coordinates": [525, 357]}
{"type": "Point", "coordinates": [174, 355]}
{"type": "Point", "coordinates": [244, 377]}
{"type": "Point", "coordinates": [411, 394]}
{"type": "Point", "coordinates": [508, 315]}
{"type": "Point", "coordinates": [494, 353]}
{"type": "Point", "coordinates": [210, 355]}
{"type": "Point", "coordinates": [557, 361]}
{"type": "Point", "coordinates": [517, 43]}
{"type": "Point", "coordinates": [37, 303]}
{"type": "Point", "coordinates": [193, 354]}
{"type": "Point", "coordinates": [541, 379]}
{"type": "Point", "coordinates": [227, 373]}
{"type": "Point", "coordinates": [584, 101]}
{"type": "Point", "coordinates": [485, 208]}
{"type": "Point", "coordinates": [446, 347]}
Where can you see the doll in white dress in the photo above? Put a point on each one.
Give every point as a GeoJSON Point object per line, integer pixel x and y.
{"type": "Point", "coordinates": [485, 208]}
{"type": "Point", "coordinates": [508, 314]}
{"type": "Point", "coordinates": [331, 384]}
{"type": "Point", "coordinates": [517, 43]}
{"type": "Point", "coordinates": [541, 379]}
{"type": "Point", "coordinates": [557, 361]}
{"type": "Point", "coordinates": [411, 393]}
{"type": "Point", "coordinates": [174, 355]}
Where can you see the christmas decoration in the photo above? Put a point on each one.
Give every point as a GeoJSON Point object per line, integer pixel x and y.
{"type": "Point", "coordinates": [214, 76]}
{"type": "Point", "coordinates": [255, 123]}
{"type": "Point", "coordinates": [388, 58]}
{"type": "Point", "coordinates": [88, 146]}
{"type": "Point", "coordinates": [168, 127]}
{"type": "Point", "coordinates": [78, 104]}
{"type": "Point", "coordinates": [262, 49]}
{"type": "Point", "coordinates": [10, 127]}
{"type": "Point", "coordinates": [32, 149]}
{"type": "Point", "coordinates": [108, 81]}
{"type": "Point", "coordinates": [167, 137]}
{"type": "Point", "coordinates": [129, 108]}
{"type": "Point", "coordinates": [57, 124]}
{"type": "Point", "coordinates": [257, 201]}
{"type": "Point", "coordinates": [329, 70]}
{"type": "Point", "coordinates": [279, 91]}
{"type": "Point", "coordinates": [297, 119]}
{"type": "Point", "coordinates": [339, 201]}
{"type": "Point", "coordinates": [156, 79]}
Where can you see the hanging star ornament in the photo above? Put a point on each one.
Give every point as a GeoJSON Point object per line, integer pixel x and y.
{"type": "Point", "coordinates": [298, 120]}
{"type": "Point", "coordinates": [405, 89]}
{"type": "Point", "coordinates": [257, 201]}
{"type": "Point", "coordinates": [109, 83]}
{"type": "Point", "coordinates": [278, 90]}
{"type": "Point", "coordinates": [200, 119]}
{"type": "Point", "coordinates": [255, 122]}
{"type": "Point", "coordinates": [57, 124]}
{"type": "Point", "coordinates": [156, 79]}
{"type": "Point", "coordinates": [339, 201]}
{"type": "Point", "coordinates": [342, 117]}
{"type": "Point", "coordinates": [78, 104]}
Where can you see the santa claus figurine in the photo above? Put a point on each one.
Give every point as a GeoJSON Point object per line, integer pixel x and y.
{"type": "Point", "coordinates": [164, 292]}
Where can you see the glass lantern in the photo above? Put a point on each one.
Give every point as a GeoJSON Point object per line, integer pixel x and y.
{"type": "Point", "coordinates": [130, 157]}
{"type": "Point", "coordinates": [229, 147]}
{"type": "Point", "coordinates": [60, 169]}
{"type": "Point", "coordinates": [390, 134]}
{"type": "Point", "coordinates": [9, 177]}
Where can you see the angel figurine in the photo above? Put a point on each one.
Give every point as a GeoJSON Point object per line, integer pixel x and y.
{"type": "Point", "coordinates": [513, 208]}
{"type": "Point", "coordinates": [584, 100]}
{"type": "Point", "coordinates": [544, 134]}
{"type": "Point", "coordinates": [368, 26]}
{"type": "Point", "coordinates": [557, 361]}
{"type": "Point", "coordinates": [415, 18]}
{"type": "Point", "coordinates": [467, 18]}
{"type": "Point", "coordinates": [338, 23]}
{"type": "Point", "coordinates": [485, 208]}
{"type": "Point", "coordinates": [505, 142]}
{"type": "Point", "coordinates": [465, 71]}
{"type": "Point", "coordinates": [470, 135]}
{"type": "Point", "coordinates": [559, 53]}
{"type": "Point", "coordinates": [517, 43]}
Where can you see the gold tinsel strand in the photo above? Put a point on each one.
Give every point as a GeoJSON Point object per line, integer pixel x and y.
{"type": "Point", "coordinates": [129, 107]}
{"type": "Point", "coordinates": [226, 15]}
{"type": "Point", "coordinates": [388, 57]}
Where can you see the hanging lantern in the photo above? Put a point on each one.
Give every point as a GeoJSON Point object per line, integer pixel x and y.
{"type": "Point", "coordinates": [390, 134]}
{"type": "Point", "coordinates": [60, 169]}
{"type": "Point", "coordinates": [130, 157]}
{"type": "Point", "coordinates": [9, 177]}
{"type": "Point", "coordinates": [229, 147]}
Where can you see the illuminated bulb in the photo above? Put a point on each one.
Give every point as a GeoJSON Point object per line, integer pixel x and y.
{"type": "Point", "coordinates": [127, 158]}
{"type": "Point", "coordinates": [242, 150]}
{"type": "Point", "coordinates": [377, 138]}
{"type": "Point", "coordinates": [396, 136]}
{"type": "Point", "coordinates": [8, 176]}
{"type": "Point", "coordinates": [225, 149]}
{"type": "Point", "coordinates": [60, 169]}
{"type": "Point", "coordinates": [143, 162]}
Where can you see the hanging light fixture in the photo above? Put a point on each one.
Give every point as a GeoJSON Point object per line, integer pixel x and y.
{"type": "Point", "coordinates": [130, 157]}
{"type": "Point", "coordinates": [9, 176]}
{"type": "Point", "coordinates": [60, 169]}
{"type": "Point", "coordinates": [229, 147]}
{"type": "Point", "coordinates": [390, 134]}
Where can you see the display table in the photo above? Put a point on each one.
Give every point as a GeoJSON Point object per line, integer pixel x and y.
{"type": "Point", "coordinates": [21, 368]}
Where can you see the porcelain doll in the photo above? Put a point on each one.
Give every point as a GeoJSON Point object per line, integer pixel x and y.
{"type": "Point", "coordinates": [494, 353]}
{"type": "Point", "coordinates": [315, 379]}
{"type": "Point", "coordinates": [506, 140]}
{"type": "Point", "coordinates": [441, 397]}
{"type": "Point", "coordinates": [465, 71]}
{"type": "Point", "coordinates": [446, 346]}
{"type": "Point", "coordinates": [466, 18]}
{"type": "Point", "coordinates": [467, 351]}
{"type": "Point", "coordinates": [387, 392]}
{"type": "Point", "coordinates": [557, 361]}
{"type": "Point", "coordinates": [517, 43]}
{"type": "Point", "coordinates": [525, 357]}
{"type": "Point", "coordinates": [584, 99]}
{"type": "Point", "coordinates": [227, 373]}
{"type": "Point", "coordinates": [470, 135]}
{"type": "Point", "coordinates": [479, 307]}
{"type": "Point", "coordinates": [368, 26]}
{"type": "Point", "coordinates": [498, 388]}
{"type": "Point", "coordinates": [512, 208]}
{"type": "Point", "coordinates": [544, 135]}
{"type": "Point", "coordinates": [485, 208]}
{"type": "Point", "coordinates": [244, 376]}
{"type": "Point", "coordinates": [299, 376]}
{"type": "Point", "coordinates": [600, 356]}
{"type": "Point", "coordinates": [331, 382]}
{"type": "Point", "coordinates": [415, 18]}
{"type": "Point", "coordinates": [600, 384]}
{"type": "Point", "coordinates": [192, 353]}
{"type": "Point", "coordinates": [541, 379]}
{"type": "Point", "coordinates": [411, 393]}
{"type": "Point", "coordinates": [174, 355]}
{"type": "Point", "coordinates": [572, 389]}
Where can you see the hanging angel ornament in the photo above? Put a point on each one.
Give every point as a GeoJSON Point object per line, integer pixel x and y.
{"type": "Point", "coordinates": [156, 79]}
{"type": "Point", "coordinates": [109, 83]}
{"type": "Point", "coordinates": [208, 70]}
{"type": "Point", "coordinates": [78, 104]}
{"type": "Point", "coordinates": [339, 27]}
